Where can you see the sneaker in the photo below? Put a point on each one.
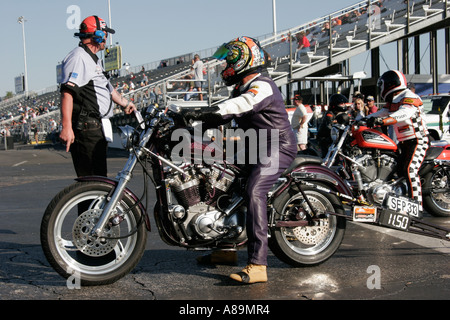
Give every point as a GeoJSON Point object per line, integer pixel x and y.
{"type": "Point", "coordinates": [251, 274]}
{"type": "Point", "coordinates": [219, 257]}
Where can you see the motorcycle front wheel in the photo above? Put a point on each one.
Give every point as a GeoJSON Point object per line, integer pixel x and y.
{"type": "Point", "coordinates": [436, 198]}
{"type": "Point", "coordinates": [71, 249]}
{"type": "Point", "coordinates": [309, 245]}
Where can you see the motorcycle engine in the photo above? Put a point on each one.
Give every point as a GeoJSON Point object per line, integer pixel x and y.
{"type": "Point", "coordinates": [376, 168]}
{"type": "Point", "coordinates": [201, 206]}
{"type": "Point", "coordinates": [374, 174]}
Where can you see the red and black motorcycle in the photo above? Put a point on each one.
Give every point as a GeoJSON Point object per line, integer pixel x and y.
{"type": "Point", "coordinates": [369, 160]}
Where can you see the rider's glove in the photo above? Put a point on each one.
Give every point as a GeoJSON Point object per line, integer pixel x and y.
{"type": "Point", "coordinates": [208, 115]}
{"type": "Point", "coordinates": [203, 116]}
{"type": "Point", "coordinates": [374, 121]}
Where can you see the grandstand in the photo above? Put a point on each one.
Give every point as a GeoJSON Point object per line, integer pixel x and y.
{"type": "Point", "coordinates": [364, 26]}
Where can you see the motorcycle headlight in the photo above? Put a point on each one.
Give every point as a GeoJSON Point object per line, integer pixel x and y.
{"type": "Point", "coordinates": [126, 134]}
{"type": "Point", "coordinates": [334, 134]}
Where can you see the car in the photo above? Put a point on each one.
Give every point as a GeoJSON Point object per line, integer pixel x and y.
{"type": "Point", "coordinates": [437, 108]}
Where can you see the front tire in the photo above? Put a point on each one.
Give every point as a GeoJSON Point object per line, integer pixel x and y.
{"type": "Point", "coordinates": [66, 240]}
{"type": "Point", "coordinates": [311, 245]}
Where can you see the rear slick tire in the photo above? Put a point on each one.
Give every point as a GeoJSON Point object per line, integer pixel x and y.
{"type": "Point", "coordinates": [68, 246]}
{"type": "Point", "coordinates": [436, 204]}
{"type": "Point", "coordinates": [308, 246]}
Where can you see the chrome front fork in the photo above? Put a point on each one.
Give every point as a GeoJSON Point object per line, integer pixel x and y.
{"type": "Point", "coordinates": [124, 177]}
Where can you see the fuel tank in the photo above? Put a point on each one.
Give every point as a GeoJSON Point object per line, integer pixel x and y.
{"type": "Point", "coordinates": [372, 138]}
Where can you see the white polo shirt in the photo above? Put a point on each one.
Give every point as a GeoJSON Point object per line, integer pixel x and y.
{"type": "Point", "coordinates": [83, 75]}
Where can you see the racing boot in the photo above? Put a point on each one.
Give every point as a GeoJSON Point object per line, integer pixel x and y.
{"type": "Point", "coordinates": [225, 257]}
{"type": "Point", "coordinates": [251, 274]}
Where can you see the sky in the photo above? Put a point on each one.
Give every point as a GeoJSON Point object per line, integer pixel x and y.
{"type": "Point", "coordinates": [147, 30]}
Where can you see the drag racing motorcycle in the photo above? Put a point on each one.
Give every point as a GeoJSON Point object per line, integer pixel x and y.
{"type": "Point", "coordinates": [369, 160]}
{"type": "Point", "coordinates": [96, 229]}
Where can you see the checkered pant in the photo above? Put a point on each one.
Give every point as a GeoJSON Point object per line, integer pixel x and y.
{"type": "Point", "coordinates": [412, 153]}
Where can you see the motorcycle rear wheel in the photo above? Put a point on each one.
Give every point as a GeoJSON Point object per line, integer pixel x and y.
{"type": "Point", "coordinates": [73, 253]}
{"type": "Point", "coordinates": [311, 245]}
{"type": "Point", "coordinates": [436, 203]}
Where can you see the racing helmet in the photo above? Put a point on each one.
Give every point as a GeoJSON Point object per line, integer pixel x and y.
{"type": "Point", "coordinates": [94, 27]}
{"type": "Point", "coordinates": [391, 81]}
{"type": "Point", "coordinates": [337, 103]}
{"type": "Point", "coordinates": [243, 56]}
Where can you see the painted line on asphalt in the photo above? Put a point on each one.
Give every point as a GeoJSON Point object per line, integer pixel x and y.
{"type": "Point", "coordinates": [18, 164]}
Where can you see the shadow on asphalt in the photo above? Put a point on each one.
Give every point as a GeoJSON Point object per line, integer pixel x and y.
{"type": "Point", "coordinates": [112, 152]}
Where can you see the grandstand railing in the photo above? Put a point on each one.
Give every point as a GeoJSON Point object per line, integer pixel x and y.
{"type": "Point", "coordinates": [361, 32]}
{"type": "Point", "coordinates": [395, 20]}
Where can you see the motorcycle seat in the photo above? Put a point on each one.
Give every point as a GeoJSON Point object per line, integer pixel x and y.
{"type": "Point", "coordinates": [302, 159]}
{"type": "Point", "coordinates": [439, 143]}
{"type": "Point", "coordinates": [433, 153]}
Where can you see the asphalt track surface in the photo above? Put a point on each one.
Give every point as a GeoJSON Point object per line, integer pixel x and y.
{"type": "Point", "coordinates": [408, 267]}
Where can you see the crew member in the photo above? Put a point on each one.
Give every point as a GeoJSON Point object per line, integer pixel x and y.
{"type": "Point", "coordinates": [86, 100]}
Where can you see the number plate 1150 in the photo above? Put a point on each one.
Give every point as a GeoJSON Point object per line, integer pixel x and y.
{"type": "Point", "coordinates": [396, 220]}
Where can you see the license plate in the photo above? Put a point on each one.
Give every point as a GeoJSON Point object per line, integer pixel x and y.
{"type": "Point", "coordinates": [403, 204]}
{"type": "Point", "coordinates": [396, 220]}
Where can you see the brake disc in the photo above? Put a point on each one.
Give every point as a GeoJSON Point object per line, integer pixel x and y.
{"type": "Point", "coordinates": [89, 245]}
{"type": "Point", "coordinates": [312, 235]}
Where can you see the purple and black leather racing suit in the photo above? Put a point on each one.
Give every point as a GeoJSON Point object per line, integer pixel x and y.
{"type": "Point", "coordinates": [258, 105]}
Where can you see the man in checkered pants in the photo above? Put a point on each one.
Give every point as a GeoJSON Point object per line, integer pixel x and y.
{"type": "Point", "coordinates": [403, 110]}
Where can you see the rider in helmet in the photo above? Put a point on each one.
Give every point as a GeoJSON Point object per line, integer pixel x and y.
{"type": "Point", "coordinates": [256, 104]}
{"type": "Point", "coordinates": [403, 112]}
{"type": "Point", "coordinates": [338, 104]}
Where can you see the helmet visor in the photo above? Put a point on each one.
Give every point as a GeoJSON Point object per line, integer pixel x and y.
{"type": "Point", "coordinates": [222, 52]}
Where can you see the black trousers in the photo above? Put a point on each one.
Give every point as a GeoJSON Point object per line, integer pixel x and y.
{"type": "Point", "coordinates": [89, 150]}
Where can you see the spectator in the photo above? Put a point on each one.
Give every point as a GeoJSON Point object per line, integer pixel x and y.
{"type": "Point", "coordinates": [35, 130]}
{"type": "Point", "coordinates": [132, 86]}
{"type": "Point", "coordinates": [356, 95]}
{"type": "Point", "coordinates": [303, 44]}
{"type": "Point", "coordinates": [336, 22]}
{"type": "Point", "coordinates": [374, 17]}
{"type": "Point", "coordinates": [346, 18]}
{"type": "Point", "coordinates": [325, 32]}
{"type": "Point", "coordinates": [53, 130]}
{"type": "Point", "coordinates": [197, 67]}
{"type": "Point", "coordinates": [360, 109]}
{"type": "Point", "coordinates": [299, 123]}
{"type": "Point", "coordinates": [371, 107]}
{"type": "Point", "coordinates": [144, 80]}
{"type": "Point", "coordinates": [189, 88]}
{"type": "Point", "coordinates": [5, 132]}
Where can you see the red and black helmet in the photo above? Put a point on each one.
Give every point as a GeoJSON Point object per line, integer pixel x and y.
{"type": "Point", "coordinates": [94, 27]}
{"type": "Point", "coordinates": [391, 81]}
